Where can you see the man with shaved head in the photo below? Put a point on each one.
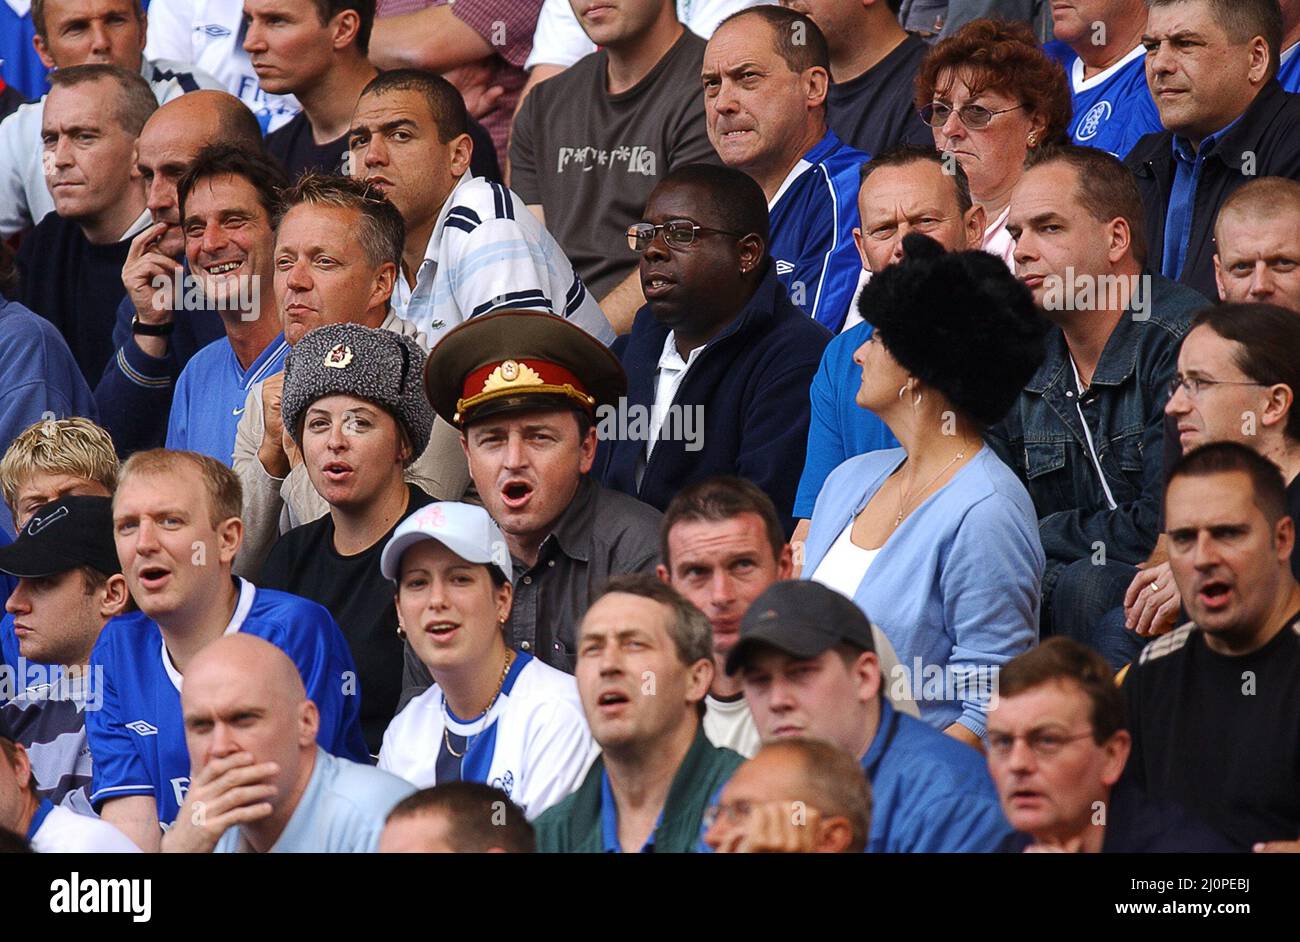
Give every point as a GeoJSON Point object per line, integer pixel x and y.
{"type": "Point", "coordinates": [1257, 239]}
{"type": "Point", "coordinates": [259, 783]}
{"type": "Point", "coordinates": [795, 796]}
{"type": "Point", "coordinates": [152, 343]}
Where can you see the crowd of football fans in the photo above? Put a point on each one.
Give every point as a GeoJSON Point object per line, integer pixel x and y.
{"type": "Point", "coordinates": [636, 425]}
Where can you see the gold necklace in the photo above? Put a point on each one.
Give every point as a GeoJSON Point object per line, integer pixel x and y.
{"type": "Point", "coordinates": [446, 736]}
{"type": "Point", "coordinates": [903, 503]}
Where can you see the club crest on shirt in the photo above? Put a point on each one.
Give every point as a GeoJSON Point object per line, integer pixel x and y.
{"type": "Point", "coordinates": [339, 356]}
{"type": "Point", "coordinates": [1097, 114]}
{"type": "Point", "coordinates": [504, 782]}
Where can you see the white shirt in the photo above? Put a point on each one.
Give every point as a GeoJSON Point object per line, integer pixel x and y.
{"type": "Point", "coordinates": [65, 832]}
{"type": "Point", "coordinates": [533, 744]}
{"type": "Point", "coordinates": [210, 34]}
{"type": "Point", "coordinates": [668, 379]}
{"type": "Point", "coordinates": [844, 564]}
{"type": "Point", "coordinates": [997, 241]}
{"type": "Point", "coordinates": [842, 569]}
{"type": "Point", "coordinates": [24, 198]}
{"type": "Point", "coordinates": [489, 252]}
{"type": "Point", "coordinates": [560, 40]}
{"type": "Point", "coordinates": [730, 725]}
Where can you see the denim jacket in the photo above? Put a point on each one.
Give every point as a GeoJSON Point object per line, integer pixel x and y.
{"type": "Point", "coordinates": [1043, 438]}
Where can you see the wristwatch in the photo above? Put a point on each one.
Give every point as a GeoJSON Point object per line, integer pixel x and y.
{"type": "Point", "coordinates": [140, 329]}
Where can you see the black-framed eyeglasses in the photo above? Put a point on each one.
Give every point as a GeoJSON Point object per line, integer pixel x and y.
{"type": "Point", "coordinates": [1192, 385]}
{"type": "Point", "coordinates": [974, 117]}
{"type": "Point", "coordinates": [1043, 743]}
{"type": "Point", "coordinates": [678, 233]}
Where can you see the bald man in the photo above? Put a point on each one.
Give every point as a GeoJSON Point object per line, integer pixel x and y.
{"type": "Point", "coordinates": [134, 396]}
{"type": "Point", "coordinates": [259, 783]}
{"type": "Point", "coordinates": [1257, 234]}
{"type": "Point", "coordinates": [794, 796]}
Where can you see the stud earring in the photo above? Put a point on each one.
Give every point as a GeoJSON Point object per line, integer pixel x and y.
{"type": "Point", "coordinates": [1033, 139]}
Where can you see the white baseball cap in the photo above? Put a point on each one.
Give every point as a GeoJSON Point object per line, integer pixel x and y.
{"type": "Point", "coordinates": [466, 530]}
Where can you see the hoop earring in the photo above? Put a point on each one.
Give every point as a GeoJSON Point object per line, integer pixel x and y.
{"type": "Point", "coordinates": [901, 390]}
{"type": "Point", "coordinates": [917, 401]}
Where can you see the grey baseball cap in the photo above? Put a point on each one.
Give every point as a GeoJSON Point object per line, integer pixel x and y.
{"type": "Point", "coordinates": [801, 618]}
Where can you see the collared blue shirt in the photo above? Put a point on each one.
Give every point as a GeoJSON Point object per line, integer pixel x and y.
{"type": "Point", "coordinates": [342, 811]}
{"type": "Point", "coordinates": [1182, 198]}
{"type": "Point", "coordinates": [210, 396]}
{"type": "Point", "coordinates": [42, 812]}
{"type": "Point", "coordinates": [929, 792]}
{"type": "Point", "coordinates": [609, 821]}
{"type": "Point", "coordinates": [839, 428]}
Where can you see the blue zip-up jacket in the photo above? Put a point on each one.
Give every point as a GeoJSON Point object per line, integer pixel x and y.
{"type": "Point", "coordinates": [812, 223]}
{"type": "Point", "coordinates": [1042, 438]}
{"type": "Point", "coordinates": [929, 792]}
{"type": "Point", "coordinates": [751, 382]}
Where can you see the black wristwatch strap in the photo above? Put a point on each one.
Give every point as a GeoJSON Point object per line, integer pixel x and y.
{"type": "Point", "coordinates": [139, 328]}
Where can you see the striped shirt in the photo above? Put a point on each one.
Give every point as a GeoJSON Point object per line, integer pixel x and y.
{"type": "Point", "coordinates": [48, 719]}
{"type": "Point", "coordinates": [488, 252]}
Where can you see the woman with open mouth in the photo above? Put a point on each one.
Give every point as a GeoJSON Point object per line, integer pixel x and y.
{"type": "Point", "coordinates": [354, 405]}
{"type": "Point", "coordinates": [493, 715]}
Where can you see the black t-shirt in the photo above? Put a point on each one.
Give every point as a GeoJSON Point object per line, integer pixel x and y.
{"type": "Point", "coordinates": [1220, 735]}
{"type": "Point", "coordinates": [305, 562]}
{"type": "Point", "coordinates": [874, 112]}
{"type": "Point", "coordinates": [76, 286]}
{"type": "Point", "coordinates": [296, 150]}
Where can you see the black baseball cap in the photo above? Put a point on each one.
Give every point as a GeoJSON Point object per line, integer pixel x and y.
{"type": "Point", "coordinates": [801, 618]}
{"type": "Point", "coordinates": [65, 534]}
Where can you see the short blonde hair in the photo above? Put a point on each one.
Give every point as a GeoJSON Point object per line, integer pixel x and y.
{"type": "Point", "coordinates": [225, 496]}
{"type": "Point", "coordinates": [74, 446]}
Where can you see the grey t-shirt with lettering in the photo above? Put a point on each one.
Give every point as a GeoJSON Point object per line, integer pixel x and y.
{"type": "Point", "coordinates": [591, 158]}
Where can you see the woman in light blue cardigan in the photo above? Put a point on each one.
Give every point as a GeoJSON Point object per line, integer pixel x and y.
{"type": "Point", "coordinates": [937, 541]}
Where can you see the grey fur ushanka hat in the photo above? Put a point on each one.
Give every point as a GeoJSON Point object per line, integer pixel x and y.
{"type": "Point", "coordinates": [370, 363]}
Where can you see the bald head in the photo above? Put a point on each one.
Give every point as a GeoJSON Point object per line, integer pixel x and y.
{"type": "Point", "coordinates": [247, 661]}
{"type": "Point", "coordinates": [1257, 242]}
{"type": "Point", "coordinates": [242, 694]}
{"type": "Point", "coordinates": [173, 137]}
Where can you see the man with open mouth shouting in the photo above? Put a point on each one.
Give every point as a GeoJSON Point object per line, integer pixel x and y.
{"type": "Point", "coordinates": [1229, 750]}
{"type": "Point", "coordinates": [524, 388]}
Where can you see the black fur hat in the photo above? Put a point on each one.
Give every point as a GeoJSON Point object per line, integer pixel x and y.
{"type": "Point", "coordinates": [960, 322]}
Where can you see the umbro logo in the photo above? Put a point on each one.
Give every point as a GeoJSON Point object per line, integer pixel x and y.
{"type": "Point", "coordinates": [40, 523]}
{"type": "Point", "coordinates": [214, 30]}
{"type": "Point", "coordinates": [141, 728]}
{"type": "Point", "coordinates": [783, 267]}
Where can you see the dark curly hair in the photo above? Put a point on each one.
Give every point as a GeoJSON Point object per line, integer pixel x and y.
{"type": "Point", "coordinates": [960, 322]}
{"type": "Point", "coordinates": [1002, 56]}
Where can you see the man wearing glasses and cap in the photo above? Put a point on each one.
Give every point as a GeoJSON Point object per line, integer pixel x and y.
{"type": "Point", "coordinates": [807, 659]}
{"type": "Point", "coordinates": [524, 388]}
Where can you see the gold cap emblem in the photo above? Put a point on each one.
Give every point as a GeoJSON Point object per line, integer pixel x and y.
{"type": "Point", "coordinates": [511, 374]}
